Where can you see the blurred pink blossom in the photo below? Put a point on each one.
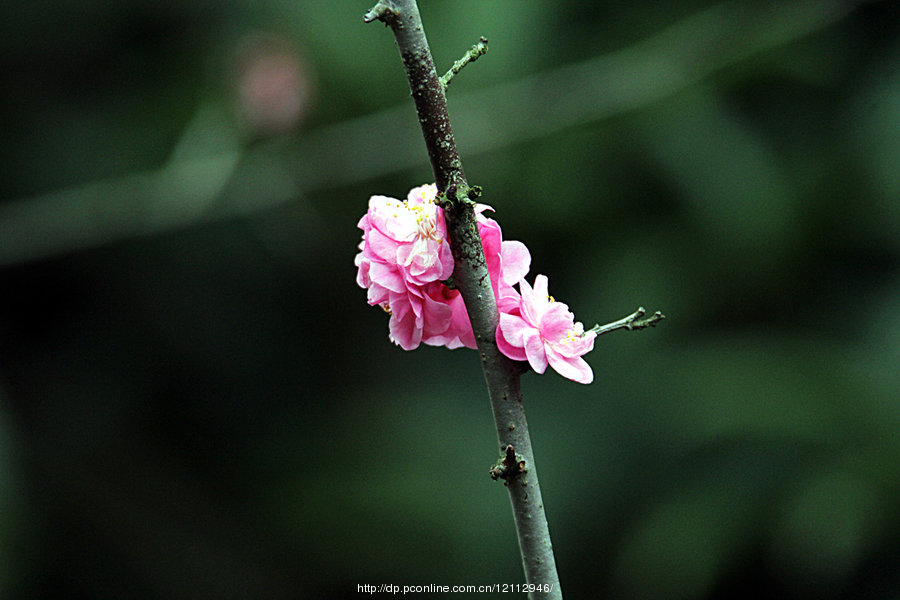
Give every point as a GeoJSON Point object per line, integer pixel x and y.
{"type": "Point", "coordinates": [274, 84]}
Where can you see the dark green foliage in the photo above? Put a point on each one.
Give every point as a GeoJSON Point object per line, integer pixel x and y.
{"type": "Point", "coordinates": [195, 400]}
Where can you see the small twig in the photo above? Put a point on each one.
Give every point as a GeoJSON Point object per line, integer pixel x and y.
{"type": "Point", "coordinates": [631, 322]}
{"type": "Point", "coordinates": [379, 12]}
{"type": "Point", "coordinates": [471, 56]}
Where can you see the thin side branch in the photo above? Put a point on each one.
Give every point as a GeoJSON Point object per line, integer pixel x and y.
{"type": "Point", "coordinates": [631, 322]}
{"type": "Point", "coordinates": [470, 56]}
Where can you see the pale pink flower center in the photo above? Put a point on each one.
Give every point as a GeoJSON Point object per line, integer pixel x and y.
{"type": "Point", "coordinates": [426, 221]}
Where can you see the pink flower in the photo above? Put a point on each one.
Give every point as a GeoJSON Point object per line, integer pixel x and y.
{"type": "Point", "coordinates": [418, 316]}
{"type": "Point", "coordinates": [404, 258]}
{"type": "Point", "coordinates": [536, 328]}
{"type": "Point", "coordinates": [408, 238]}
{"type": "Point", "coordinates": [458, 332]}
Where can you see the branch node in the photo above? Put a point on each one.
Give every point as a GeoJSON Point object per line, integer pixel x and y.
{"type": "Point", "coordinates": [451, 192]}
{"type": "Point", "coordinates": [632, 322]}
{"type": "Point", "coordinates": [508, 466]}
{"type": "Point", "coordinates": [380, 12]}
{"type": "Point", "coordinates": [470, 56]}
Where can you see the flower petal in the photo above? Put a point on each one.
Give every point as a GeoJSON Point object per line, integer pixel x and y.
{"type": "Point", "coordinates": [436, 316]}
{"type": "Point", "coordinates": [392, 218]}
{"type": "Point", "coordinates": [534, 300]}
{"type": "Point", "coordinates": [557, 322]}
{"type": "Point", "coordinates": [445, 257]}
{"type": "Point", "coordinates": [362, 274]}
{"type": "Point", "coordinates": [460, 325]}
{"type": "Point", "coordinates": [576, 345]}
{"type": "Point", "coordinates": [424, 194]}
{"type": "Point", "coordinates": [514, 329]}
{"type": "Point", "coordinates": [515, 260]}
{"type": "Point", "coordinates": [377, 295]}
{"type": "Point", "coordinates": [507, 349]}
{"type": "Point", "coordinates": [535, 352]}
{"type": "Point", "coordinates": [540, 288]}
{"type": "Point", "coordinates": [510, 301]}
{"type": "Point", "coordinates": [404, 328]}
{"type": "Point", "coordinates": [381, 247]}
{"type": "Point", "coordinates": [386, 276]}
{"type": "Point", "coordinates": [575, 368]}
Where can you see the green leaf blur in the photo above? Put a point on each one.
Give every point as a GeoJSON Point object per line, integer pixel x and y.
{"type": "Point", "coordinates": [196, 401]}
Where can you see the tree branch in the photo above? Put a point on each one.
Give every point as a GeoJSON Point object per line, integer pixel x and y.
{"type": "Point", "coordinates": [632, 322]}
{"type": "Point", "coordinates": [473, 281]}
{"type": "Point", "coordinates": [470, 56]}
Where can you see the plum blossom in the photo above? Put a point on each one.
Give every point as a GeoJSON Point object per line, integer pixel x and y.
{"type": "Point", "coordinates": [404, 258]}
{"type": "Point", "coordinates": [404, 242]}
{"type": "Point", "coordinates": [536, 328]}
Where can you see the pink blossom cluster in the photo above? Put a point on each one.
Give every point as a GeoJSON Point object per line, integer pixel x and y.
{"type": "Point", "coordinates": [405, 259]}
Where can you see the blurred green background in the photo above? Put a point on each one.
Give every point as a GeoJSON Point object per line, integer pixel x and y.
{"type": "Point", "coordinates": [196, 401]}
